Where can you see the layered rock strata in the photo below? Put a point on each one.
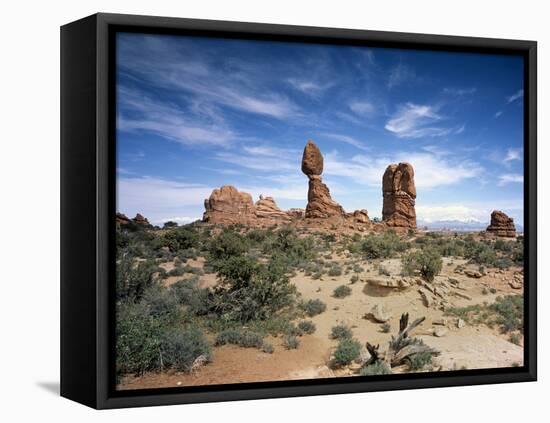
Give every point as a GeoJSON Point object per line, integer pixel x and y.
{"type": "Point", "coordinates": [399, 193]}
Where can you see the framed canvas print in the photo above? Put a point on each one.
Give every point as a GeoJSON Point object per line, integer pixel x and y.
{"type": "Point", "coordinates": [256, 211]}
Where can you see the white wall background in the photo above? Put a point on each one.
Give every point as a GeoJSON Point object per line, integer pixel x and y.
{"type": "Point", "coordinates": [29, 240]}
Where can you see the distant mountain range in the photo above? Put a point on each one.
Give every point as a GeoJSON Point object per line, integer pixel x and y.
{"type": "Point", "coordinates": [457, 225]}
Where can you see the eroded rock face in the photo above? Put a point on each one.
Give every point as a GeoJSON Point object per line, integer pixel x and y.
{"type": "Point", "coordinates": [320, 204]}
{"type": "Point", "coordinates": [399, 193]}
{"type": "Point", "coordinates": [501, 225]}
{"type": "Point", "coordinates": [140, 220]}
{"type": "Point", "coordinates": [227, 205]}
{"type": "Point", "coordinates": [267, 209]}
{"type": "Point", "coordinates": [122, 219]}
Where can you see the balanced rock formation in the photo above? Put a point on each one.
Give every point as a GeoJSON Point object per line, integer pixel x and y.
{"type": "Point", "coordinates": [267, 209]}
{"type": "Point", "coordinates": [229, 206]}
{"type": "Point", "coordinates": [501, 225]}
{"type": "Point", "coordinates": [319, 202]}
{"type": "Point", "coordinates": [399, 196]}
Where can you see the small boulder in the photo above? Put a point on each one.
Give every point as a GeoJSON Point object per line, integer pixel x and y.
{"type": "Point", "coordinates": [380, 313]}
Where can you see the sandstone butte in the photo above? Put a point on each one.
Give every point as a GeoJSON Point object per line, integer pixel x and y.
{"type": "Point", "coordinates": [501, 225]}
{"type": "Point", "coordinates": [227, 205]}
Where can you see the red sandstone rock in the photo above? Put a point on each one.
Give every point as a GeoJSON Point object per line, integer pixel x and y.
{"type": "Point", "coordinates": [320, 204]}
{"type": "Point", "coordinates": [399, 193]}
{"type": "Point", "coordinates": [122, 219]}
{"type": "Point", "coordinates": [501, 225]}
{"type": "Point", "coordinates": [229, 206]}
{"type": "Point", "coordinates": [140, 220]}
{"type": "Point", "coordinates": [267, 209]}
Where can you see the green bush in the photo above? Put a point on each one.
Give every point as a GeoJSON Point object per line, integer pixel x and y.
{"type": "Point", "coordinates": [342, 291]}
{"type": "Point", "coordinates": [161, 303]}
{"type": "Point", "coordinates": [335, 270]}
{"type": "Point", "coordinates": [138, 339]}
{"type": "Point", "coordinates": [133, 278]}
{"type": "Point", "coordinates": [354, 279]}
{"type": "Point", "coordinates": [242, 338]}
{"type": "Point", "coordinates": [307, 327]}
{"type": "Point", "coordinates": [313, 307]}
{"type": "Point", "coordinates": [291, 342]}
{"type": "Point", "coordinates": [251, 291]}
{"type": "Point", "coordinates": [187, 293]}
{"type": "Point", "coordinates": [420, 360]}
{"type": "Point", "coordinates": [377, 368]}
{"type": "Point", "coordinates": [180, 348]}
{"type": "Point", "coordinates": [267, 348]}
{"type": "Point", "coordinates": [427, 261]}
{"type": "Point", "coordinates": [509, 311]}
{"type": "Point", "coordinates": [347, 350]}
{"type": "Point", "coordinates": [385, 245]}
{"type": "Point", "coordinates": [340, 332]}
{"type": "Point", "coordinates": [181, 238]}
{"type": "Point", "coordinates": [226, 245]}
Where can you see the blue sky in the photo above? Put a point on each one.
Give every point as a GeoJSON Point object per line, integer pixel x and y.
{"type": "Point", "coordinates": [196, 113]}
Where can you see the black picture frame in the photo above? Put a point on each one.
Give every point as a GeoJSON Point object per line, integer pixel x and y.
{"type": "Point", "coordinates": [88, 210]}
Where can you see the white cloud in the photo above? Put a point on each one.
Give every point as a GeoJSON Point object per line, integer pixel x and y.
{"type": "Point", "coordinates": [514, 97]}
{"type": "Point", "coordinates": [308, 86]}
{"type": "Point", "coordinates": [181, 219]}
{"type": "Point", "coordinates": [510, 178]}
{"type": "Point", "coordinates": [513, 154]}
{"type": "Point", "coordinates": [431, 171]}
{"type": "Point", "coordinates": [461, 213]}
{"type": "Point", "coordinates": [160, 199]}
{"type": "Point", "coordinates": [498, 114]}
{"type": "Point", "coordinates": [348, 140]}
{"type": "Point", "coordinates": [362, 108]}
{"type": "Point", "coordinates": [459, 91]}
{"type": "Point", "coordinates": [413, 121]}
{"type": "Point", "coordinates": [399, 75]}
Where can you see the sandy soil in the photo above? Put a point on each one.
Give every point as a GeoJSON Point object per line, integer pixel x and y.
{"type": "Point", "coordinates": [471, 347]}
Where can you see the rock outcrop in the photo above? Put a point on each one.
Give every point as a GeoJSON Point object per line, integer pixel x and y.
{"type": "Point", "coordinates": [229, 206]}
{"type": "Point", "coordinates": [267, 209]}
{"type": "Point", "coordinates": [320, 204]}
{"type": "Point", "coordinates": [140, 220]}
{"type": "Point", "coordinates": [122, 219]}
{"type": "Point", "coordinates": [399, 194]}
{"type": "Point", "coordinates": [501, 225]}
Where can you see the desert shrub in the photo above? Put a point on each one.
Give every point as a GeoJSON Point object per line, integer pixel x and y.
{"type": "Point", "coordinates": [347, 350]}
{"type": "Point", "coordinates": [335, 270]}
{"type": "Point", "coordinates": [358, 269]}
{"type": "Point", "coordinates": [307, 326]}
{"type": "Point", "coordinates": [383, 245]}
{"type": "Point", "coordinates": [180, 348]}
{"type": "Point", "coordinates": [138, 339]}
{"type": "Point", "coordinates": [313, 307]}
{"type": "Point", "coordinates": [386, 327]}
{"type": "Point", "coordinates": [515, 338]}
{"type": "Point", "coordinates": [176, 271]}
{"type": "Point", "coordinates": [290, 329]}
{"type": "Point", "coordinates": [267, 348]}
{"type": "Point", "coordinates": [258, 236]}
{"type": "Point", "coordinates": [420, 360]}
{"type": "Point", "coordinates": [161, 303]}
{"type": "Point", "coordinates": [133, 278]}
{"type": "Point", "coordinates": [493, 290]}
{"type": "Point", "coordinates": [251, 291]}
{"type": "Point", "coordinates": [354, 279]}
{"type": "Point", "coordinates": [509, 310]}
{"type": "Point", "coordinates": [242, 338]}
{"type": "Point", "coordinates": [186, 292]}
{"type": "Point", "coordinates": [181, 238]}
{"type": "Point", "coordinates": [317, 275]}
{"type": "Point", "coordinates": [427, 261]}
{"type": "Point", "coordinates": [290, 248]}
{"type": "Point", "coordinates": [340, 332]}
{"type": "Point", "coordinates": [342, 291]}
{"type": "Point", "coordinates": [291, 342]}
{"type": "Point", "coordinates": [503, 263]}
{"type": "Point", "coordinates": [170, 224]}
{"type": "Point", "coordinates": [378, 368]}
{"type": "Point", "coordinates": [479, 252]}
{"type": "Point", "coordinates": [226, 245]}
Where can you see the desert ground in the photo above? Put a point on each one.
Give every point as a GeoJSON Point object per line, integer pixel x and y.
{"type": "Point", "coordinates": [468, 304]}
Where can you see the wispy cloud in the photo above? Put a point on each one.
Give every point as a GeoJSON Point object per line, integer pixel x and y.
{"type": "Point", "coordinates": [263, 158]}
{"type": "Point", "coordinates": [514, 97]}
{"type": "Point", "coordinates": [362, 108]}
{"type": "Point", "coordinates": [431, 171]}
{"type": "Point", "coordinates": [308, 86]}
{"type": "Point", "coordinates": [165, 198]}
{"type": "Point", "coordinates": [139, 112]}
{"type": "Point", "coordinates": [498, 114]}
{"type": "Point", "coordinates": [451, 212]}
{"type": "Point", "coordinates": [459, 91]}
{"type": "Point", "coordinates": [418, 121]}
{"type": "Point", "coordinates": [348, 140]}
{"type": "Point", "coordinates": [400, 74]}
{"type": "Point", "coordinates": [513, 154]}
{"type": "Point", "coordinates": [510, 178]}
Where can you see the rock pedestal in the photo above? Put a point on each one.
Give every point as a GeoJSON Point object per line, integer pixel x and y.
{"type": "Point", "coordinates": [399, 194]}
{"type": "Point", "coordinates": [320, 204]}
{"type": "Point", "coordinates": [501, 225]}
